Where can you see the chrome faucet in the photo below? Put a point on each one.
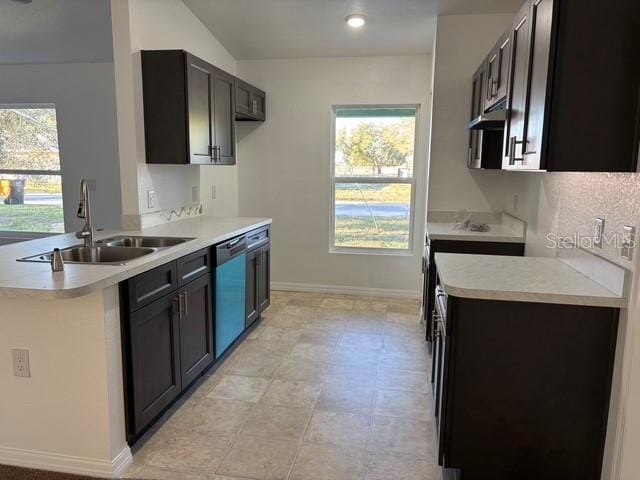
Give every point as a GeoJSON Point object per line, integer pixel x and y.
{"type": "Point", "coordinates": [84, 211]}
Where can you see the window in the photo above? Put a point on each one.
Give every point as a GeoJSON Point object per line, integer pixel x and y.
{"type": "Point", "coordinates": [30, 177]}
{"type": "Point", "coordinates": [373, 178]}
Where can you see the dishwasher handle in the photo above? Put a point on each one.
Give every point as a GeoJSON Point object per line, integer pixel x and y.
{"type": "Point", "coordinates": [230, 249]}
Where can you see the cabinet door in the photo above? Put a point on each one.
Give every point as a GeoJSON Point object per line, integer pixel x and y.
{"type": "Point", "coordinates": [541, 16]}
{"type": "Point", "coordinates": [196, 329]}
{"type": "Point", "coordinates": [264, 277]}
{"type": "Point", "coordinates": [516, 98]}
{"type": "Point", "coordinates": [199, 84]}
{"type": "Point", "coordinates": [253, 303]}
{"type": "Point", "coordinates": [258, 104]}
{"type": "Point", "coordinates": [154, 363]}
{"type": "Point", "coordinates": [224, 117]}
{"type": "Point", "coordinates": [244, 101]}
{"type": "Point", "coordinates": [474, 159]}
{"type": "Point", "coordinates": [497, 72]}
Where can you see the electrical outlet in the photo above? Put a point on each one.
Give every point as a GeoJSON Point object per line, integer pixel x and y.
{"type": "Point", "coordinates": [151, 198]}
{"type": "Point", "coordinates": [195, 193]}
{"type": "Point", "coordinates": [21, 363]}
{"type": "Point", "coordinates": [91, 184]}
{"type": "Point", "coordinates": [598, 233]}
{"type": "Point", "coordinates": [628, 241]}
{"type": "Point", "coordinates": [213, 192]}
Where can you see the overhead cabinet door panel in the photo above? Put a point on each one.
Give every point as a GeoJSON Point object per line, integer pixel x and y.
{"type": "Point", "coordinates": [224, 117]}
{"type": "Point", "coordinates": [200, 114]}
{"type": "Point", "coordinates": [516, 99]}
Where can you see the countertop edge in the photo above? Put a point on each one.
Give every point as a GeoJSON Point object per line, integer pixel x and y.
{"type": "Point", "coordinates": [187, 248]}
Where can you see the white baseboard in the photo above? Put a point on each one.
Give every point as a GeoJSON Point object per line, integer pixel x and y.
{"type": "Point", "coordinates": [66, 463]}
{"type": "Point", "coordinates": [343, 289]}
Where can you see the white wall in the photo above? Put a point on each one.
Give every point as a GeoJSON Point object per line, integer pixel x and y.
{"type": "Point", "coordinates": [284, 165]}
{"type": "Point", "coordinates": [162, 24]}
{"type": "Point", "coordinates": [84, 95]}
{"type": "Point", "coordinates": [462, 41]}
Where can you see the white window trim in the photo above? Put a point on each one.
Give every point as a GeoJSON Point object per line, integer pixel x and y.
{"type": "Point", "coordinates": [27, 235]}
{"type": "Point", "coordinates": [412, 181]}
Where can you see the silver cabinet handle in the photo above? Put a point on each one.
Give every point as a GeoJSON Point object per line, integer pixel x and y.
{"type": "Point", "coordinates": [180, 302]}
{"type": "Point", "coordinates": [186, 304]}
{"type": "Point", "coordinates": [512, 150]}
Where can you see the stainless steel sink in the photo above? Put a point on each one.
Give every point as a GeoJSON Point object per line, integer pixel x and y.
{"type": "Point", "coordinates": [152, 242]}
{"type": "Point", "coordinates": [103, 255]}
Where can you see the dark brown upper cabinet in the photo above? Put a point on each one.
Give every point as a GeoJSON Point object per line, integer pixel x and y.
{"type": "Point", "coordinates": [189, 110]}
{"type": "Point", "coordinates": [573, 91]}
{"type": "Point", "coordinates": [498, 73]}
{"type": "Point", "coordinates": [484, 150]}
{"type": "Point", "coordinates": [250, 102]}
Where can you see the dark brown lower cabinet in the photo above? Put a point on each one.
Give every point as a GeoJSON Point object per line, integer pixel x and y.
{"type": "Point", "coordinates": [258, 290]}
{"type": "Point", "coordinates": [153, 361]}
{"type": "Point", "coordinates": [196, 329]}
{"type": "Point", "coordinates": [522, 389]}
{"type": "Point", "coordinates": [167, 343]}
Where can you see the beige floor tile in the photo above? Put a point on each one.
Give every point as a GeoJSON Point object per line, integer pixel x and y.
{"type": "Point", "coordinates": [266, 346]}
{"type": "Point", "coordinates": [401, 306]}
{"type": "Point", "coordinates": [363, 375]}
{"type": "Point", "coordinates": [370, 306]}
{"type": "Point", "coordinates": [341, 303]}
{"type": "Point", "coordinates": [364, 323]}
{"type": "Point", "coordinates": [279, 334]}
{"type": "Point", "coordinates": [304, 311]}
{"type": "Point", "coordinates": [418, 363]}
{"type": "Point", "coordinates": [400, 403]}
{"type": "Point", "coordinates": [256, 364]}
{"type": "Point", "coordinates": [408, 345]}
{"type": "Point", "coordinates": [324, 462]}
{"type": "Point", "coordinates": [327, 322]}
{"type": "Point", "coordinates": [303, 371]}
{"type": "Point", "coordinates": [314, 353]}
{"type": "Point", "coordinates": [294, 394]}
{"type": "Point", "coordinates": [259, 458]}
{"type": "Point", "coordinates": [320, 337]}
{"type": "Point", "coordinates": [271, 421]}
{"type": "Point", "coordinates": [238, 387]}
{"type": "Point", "coordinates": [346, 398]}
{"type": "Point", "coordinates": [192, 452]}
{"type": "Point", "coordinates": [403, 318]}
{"type": "Point", "coordinates": [338, 428]}
{"type": "Point", "coordinates": [154, 473]}
{"type": "Point", "coordinates": [287, 320]}
{"type": "Point", "coordinates": [391, 378]}
{"type": "Point", "coordinates": [385, 466]}
{"type": "Point", "coordinates": [361, 340]}
{"type": "Point", "coordinates": [403, 330]}
{"type": "Point", "coordinates": [213, 415]}
{"type": "Point", "coordinates": [355, 355]}
{"type": "Point", "coordinates": [401, 435]}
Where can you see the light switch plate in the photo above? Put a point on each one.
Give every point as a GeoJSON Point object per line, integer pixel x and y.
{"type": "Point", "coordinates": [213, 192]}
{"type": "Point", "coordinates": [598, 233]}
{"type": "Point", "coordinates": [195, 193]}
{"type": "Point", "coordinates": [21, 362]}
{"type": "Point", "coordinates": [628, 241]}
{"type": "Point", "coordinates": [151, 198]}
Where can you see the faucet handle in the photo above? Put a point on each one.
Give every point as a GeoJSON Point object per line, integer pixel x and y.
{"type": "Point", "coordinates": [82, 210]}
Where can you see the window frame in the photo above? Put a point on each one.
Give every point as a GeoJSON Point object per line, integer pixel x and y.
{"type": "Point", "coordinates": [333, 248]}
{"type": "Point", "coordinates": [19, 234]}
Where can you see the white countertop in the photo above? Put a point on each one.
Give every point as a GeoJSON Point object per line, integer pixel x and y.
{"type": "Point", "coordinates": [496, 233]}
{"type": "Point", "coordinates": [521, 279]}
{"type": "Point", "coordinates": [29, 279]}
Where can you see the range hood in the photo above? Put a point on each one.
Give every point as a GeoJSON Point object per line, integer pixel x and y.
{"type": "Point", "coordinates": [493, 120]}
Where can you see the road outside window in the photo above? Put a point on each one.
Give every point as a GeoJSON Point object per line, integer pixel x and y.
{"type": "Point", "coordinates": [373, 178]}
{"type": "Point", "coordinates": [30, 177]}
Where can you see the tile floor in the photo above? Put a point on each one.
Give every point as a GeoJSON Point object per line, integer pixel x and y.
{"type": "Point", "coordinates": [327, 387]}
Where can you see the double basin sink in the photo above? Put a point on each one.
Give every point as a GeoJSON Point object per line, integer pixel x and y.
{"type": "Point", "coordinates": [111, 251]}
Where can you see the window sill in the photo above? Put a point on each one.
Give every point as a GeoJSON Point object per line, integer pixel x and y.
{"type": "Point", "coordinates": [377, 252]}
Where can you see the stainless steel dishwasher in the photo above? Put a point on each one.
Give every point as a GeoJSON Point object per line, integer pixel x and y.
{"type": "Point", "coordinates": [229, 296]}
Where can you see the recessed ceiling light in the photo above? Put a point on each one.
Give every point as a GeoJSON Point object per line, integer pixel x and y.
{"type": "Point", "coordinates": [355, 20]}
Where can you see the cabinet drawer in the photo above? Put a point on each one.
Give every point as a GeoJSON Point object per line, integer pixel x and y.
{"type": "Point", "coordinates": [193, 266]}
{"type": "Point", "coordinates": [149, 286]}
{"type": "Point", "coordinates": [257, 238]}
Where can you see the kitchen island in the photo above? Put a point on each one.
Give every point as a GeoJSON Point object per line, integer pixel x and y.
{"type": "Point", "coordinates": [69, 415]}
